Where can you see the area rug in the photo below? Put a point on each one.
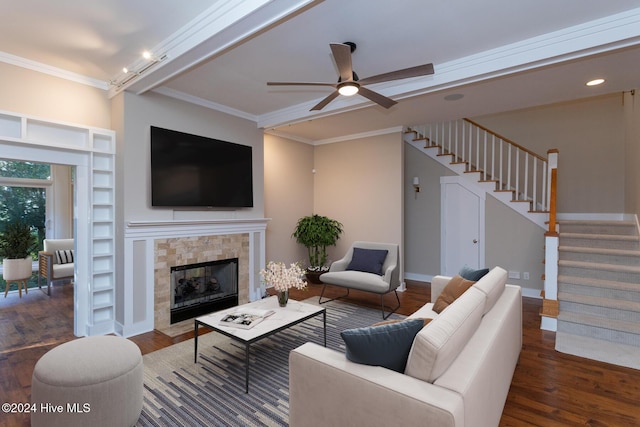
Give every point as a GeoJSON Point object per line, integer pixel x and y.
{"type": "Point", "coordinates": [179, 392]}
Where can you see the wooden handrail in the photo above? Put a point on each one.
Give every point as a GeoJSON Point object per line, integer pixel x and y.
{"type": "Point", "coordinates": [507, 140]}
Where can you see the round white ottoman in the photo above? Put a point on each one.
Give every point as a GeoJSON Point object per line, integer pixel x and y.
{"type": "Point", "coordinates": [93, 381]}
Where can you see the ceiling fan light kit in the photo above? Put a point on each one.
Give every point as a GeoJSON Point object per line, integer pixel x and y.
{"type": "Point", "coordinates": [348, 88]}
{"type": "Point", "coordinates": [348, 83]}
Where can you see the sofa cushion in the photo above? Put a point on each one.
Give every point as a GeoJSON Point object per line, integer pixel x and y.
{"type": "Point", "coordinates": [368, 260]}
{"type": "Point", "coordinates": [64, 256]}
{"type": "Point", "coordinates": [387, 345]}
{"type": "Point", "coordinates": [452, 291]}
{"type": "Point", "coordinates": [471, 274]}
{"type": "Point", "coordinates": [356, 280]}
{"type": "Point", "coordinates": [437, 345]}
{"type": "Point", "coordinates": [492, 285]}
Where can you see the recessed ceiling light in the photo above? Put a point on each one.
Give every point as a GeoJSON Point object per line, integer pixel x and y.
{"type": "Point", "coordinates": [595, 82]}
{"type": "Point", "coordinates": [454, 97]}
{"type": "Point", "coordinates": [146, 54]}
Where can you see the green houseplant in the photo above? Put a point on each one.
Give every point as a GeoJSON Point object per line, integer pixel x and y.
{"type": "Point", "coordinates": [16, 244]}
{"type": "Point", "coordinates": [316, 232]}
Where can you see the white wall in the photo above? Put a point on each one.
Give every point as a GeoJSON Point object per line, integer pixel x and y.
{"type": "Point", "coordinates": [29, 92]}
{"type": "Point", "coordinates": [359, 183]}
{"type": "Point", "coordinates": [288, 186]}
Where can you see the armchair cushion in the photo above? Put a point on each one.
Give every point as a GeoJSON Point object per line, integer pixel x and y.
{"type": "Point", "coordinates": [368, 260]}
{"type": "Point", "coordinates": [64, 256]}
{"type": "Point", "coordinates": [385, 345]}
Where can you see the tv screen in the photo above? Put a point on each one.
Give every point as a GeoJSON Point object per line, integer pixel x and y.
{"type": "Point", "coordinates": [195, 171]}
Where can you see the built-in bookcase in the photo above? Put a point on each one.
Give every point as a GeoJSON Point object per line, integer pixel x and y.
{"type": "Point", "coordinates": [92, 151]}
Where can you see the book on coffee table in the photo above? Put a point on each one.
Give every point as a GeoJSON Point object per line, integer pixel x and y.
{"type": "Point", "coordinates": [245, 318]}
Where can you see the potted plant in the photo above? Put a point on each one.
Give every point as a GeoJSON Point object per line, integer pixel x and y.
{"type": "Point", "coordinates": [316, 232]}
{"type": "Point", "coordinates": [16, 244]}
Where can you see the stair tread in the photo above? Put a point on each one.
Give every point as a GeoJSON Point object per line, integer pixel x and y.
{"type": "Point", "coordinates": [600, 266]}
{"type": "Point", "coordinates": [595, 236]}
{"type": "Point", "coordinates": [599, 322]}
{"type": "Point", "coordinates": [601, 283]}
{"type": "Point", "coordinates": [625, 223]}
{"type": "Point", "coordinates": [603, 251]}
{"type": "Point", "coordinates": [599, 301]}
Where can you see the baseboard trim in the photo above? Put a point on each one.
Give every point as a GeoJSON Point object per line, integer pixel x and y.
{"type": "Point", "coordinates": [418, 277]}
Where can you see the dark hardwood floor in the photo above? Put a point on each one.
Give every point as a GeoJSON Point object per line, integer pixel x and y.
{"type": "Point", "coordinates": [548, 388]}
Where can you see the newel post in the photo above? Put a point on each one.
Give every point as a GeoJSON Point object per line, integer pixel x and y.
{"type": "Point", "coordinates": [550, 307]}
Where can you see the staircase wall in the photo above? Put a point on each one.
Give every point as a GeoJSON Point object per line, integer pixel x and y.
{"type": "Point", "coordinates": [423, 224]}
{"type": "Point", "coordinates": [590, 136]}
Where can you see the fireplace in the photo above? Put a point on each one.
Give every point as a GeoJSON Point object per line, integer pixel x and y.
{"type": "Point", "coordinates": [201, 288]}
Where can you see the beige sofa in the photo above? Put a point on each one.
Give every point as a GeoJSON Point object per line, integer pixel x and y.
{"type": "Point", "coordinates": [458, 372]}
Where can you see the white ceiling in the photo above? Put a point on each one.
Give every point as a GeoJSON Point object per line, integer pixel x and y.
{"type": "Point", "coordinates": [500, 54]}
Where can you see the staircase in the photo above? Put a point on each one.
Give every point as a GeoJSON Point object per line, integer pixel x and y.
{"type": "Point", "coordinates": [512, 174]}
{"type": "Point", "coordinates": [599, 291]}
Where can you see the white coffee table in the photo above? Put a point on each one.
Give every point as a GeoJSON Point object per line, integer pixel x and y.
{"type": "Point", "coordinates": [283, 318]}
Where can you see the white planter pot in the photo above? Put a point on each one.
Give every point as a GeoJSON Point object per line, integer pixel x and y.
{"type": "Point", "coordinates": [16, 269]}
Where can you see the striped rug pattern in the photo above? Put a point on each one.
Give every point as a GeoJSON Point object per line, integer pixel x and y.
{"type": "Point", "coordinates": [178, 392]}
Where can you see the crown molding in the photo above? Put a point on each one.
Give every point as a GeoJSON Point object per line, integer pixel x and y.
{"type": "Point", "coordinates": [52, 71]}
{"type": "Point", "coordinates": [289, 136]}
{"type": "Point", "coordinates": [395, 129]}
{"type": "Point", "coordinates": [176, 94]}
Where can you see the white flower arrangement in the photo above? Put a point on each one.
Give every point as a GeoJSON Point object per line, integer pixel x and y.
{"type": "Point", "coordinates": [282, 278]}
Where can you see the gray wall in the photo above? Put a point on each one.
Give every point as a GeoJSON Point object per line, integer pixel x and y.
{"type": "Point", "coordinates": [422, 214]}
{"type": "Point", "coordinates": [590, 135]}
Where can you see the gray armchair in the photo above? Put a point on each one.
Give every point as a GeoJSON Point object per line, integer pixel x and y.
{"type": "Point", "coordinates": [367, 266]}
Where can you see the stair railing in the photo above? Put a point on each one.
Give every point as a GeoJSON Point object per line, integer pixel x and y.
{"type": "Point", "coordinates": [498, 159]}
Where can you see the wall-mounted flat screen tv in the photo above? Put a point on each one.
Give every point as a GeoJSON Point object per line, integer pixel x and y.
{"type": "Point", "coordinates": [195, 171]}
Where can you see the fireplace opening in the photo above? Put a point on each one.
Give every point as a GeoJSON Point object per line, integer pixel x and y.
{"type": "Point", "coordinates": [198, 289]}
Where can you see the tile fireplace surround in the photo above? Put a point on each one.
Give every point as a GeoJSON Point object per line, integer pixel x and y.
{"type": "Point", "coordinates": [152, 248]}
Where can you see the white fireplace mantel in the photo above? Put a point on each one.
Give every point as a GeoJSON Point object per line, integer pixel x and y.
{"type": "Point", "coordinates": [139, 237]}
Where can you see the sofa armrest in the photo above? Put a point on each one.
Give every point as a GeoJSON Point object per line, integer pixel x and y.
{"type": "Point", "coordinates": [437, 285]}
{"type": "Point", "coordinates": [326, 389]}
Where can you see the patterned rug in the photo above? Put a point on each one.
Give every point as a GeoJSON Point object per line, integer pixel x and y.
{"type": "Point", "coordinates": [178, 392]}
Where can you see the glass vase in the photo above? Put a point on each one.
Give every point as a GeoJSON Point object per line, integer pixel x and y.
{"type": "Point", "coordinates": [283, 298]}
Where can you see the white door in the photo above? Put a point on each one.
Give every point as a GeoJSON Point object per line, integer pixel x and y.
{"type": "Point", "coordinates": [462, 226]}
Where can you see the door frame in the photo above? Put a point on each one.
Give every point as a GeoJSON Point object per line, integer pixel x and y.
{"type": "Point", "coordinates": [471, 187]}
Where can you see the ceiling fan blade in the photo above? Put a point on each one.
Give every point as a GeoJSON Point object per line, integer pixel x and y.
{"type": "Point", "coordinates": [300, 84]}
{"type": "Point", "coordinates": [377, 98]}
{"type": "Point", "coordinates": [420, 70]}
{"type": "Point", "coordinates": [325, 101]}
{"type": "Point", "coordinates": [342, 56]}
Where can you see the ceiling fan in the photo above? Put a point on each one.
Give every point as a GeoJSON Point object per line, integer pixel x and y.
{"type": "Point", "coordinates": [349, 84]}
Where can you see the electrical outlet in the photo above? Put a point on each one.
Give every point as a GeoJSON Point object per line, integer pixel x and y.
{"type": "Point", "coordinates": [525, 275]}
{"type": "Point", "coordinates": [514, 275]}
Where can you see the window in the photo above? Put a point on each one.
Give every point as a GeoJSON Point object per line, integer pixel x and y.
{"type": "Point", "coordinates": [24, 187]}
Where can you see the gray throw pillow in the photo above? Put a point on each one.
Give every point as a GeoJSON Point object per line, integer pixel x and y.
{"type": "Point", "coordinates": [470, 274]}
{"type": "Point", "coordinates": [386, 345]}
{"type": "Point", "coordinates": [368, 260]}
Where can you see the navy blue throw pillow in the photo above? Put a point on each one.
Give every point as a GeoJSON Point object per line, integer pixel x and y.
{"type": "Point", "coordinates": [368, 260]}
{"type": "Point", "coordinates": [470, 274]}
{"type": "Point", "coordinates": [386, 345]}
